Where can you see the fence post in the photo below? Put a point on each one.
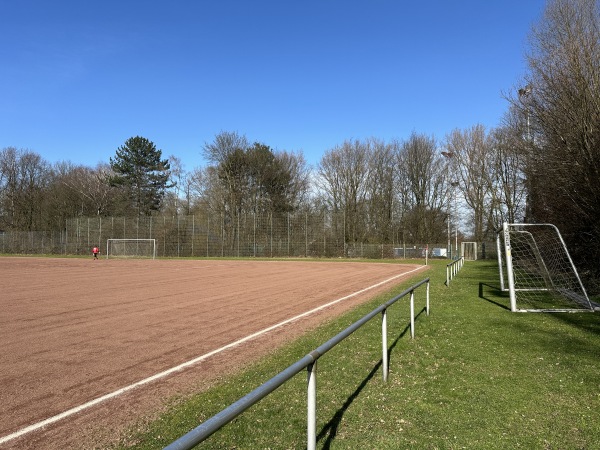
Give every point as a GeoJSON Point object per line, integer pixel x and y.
{"type": "Point", "coordinates": [223, 234]}
{"type": "Point", "coordinates": [324, 236]}
{"type": "Point", "coordinates": [271, 235]}
{"type": "Point", "coordinates": [311, 426]}
{"type": "Point", "coordinates": [306, 234]}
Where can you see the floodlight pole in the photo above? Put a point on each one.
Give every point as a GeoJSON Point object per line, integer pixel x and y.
{"type": "Point", "coordinates": [525, 98]}
{"type": "Point", "coordinates": [448, 156]}
{"type": "Point", "coordinates": [454, 185]}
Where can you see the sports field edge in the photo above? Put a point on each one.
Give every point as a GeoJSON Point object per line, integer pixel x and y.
{"type": "Point", "coordinates": [278, 359]}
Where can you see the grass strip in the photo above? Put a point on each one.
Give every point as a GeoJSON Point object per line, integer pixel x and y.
{"type": "Point", "coordinates": [475, 376]}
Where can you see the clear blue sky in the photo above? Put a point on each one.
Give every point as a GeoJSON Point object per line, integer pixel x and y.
{"type": "Point", "coordinates": [78, 78]}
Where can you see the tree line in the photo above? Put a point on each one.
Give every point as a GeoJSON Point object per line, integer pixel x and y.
{"type": "Point", "coordinates": [541, 164]}
{"type": "Point", "coordinates": [378, 186]}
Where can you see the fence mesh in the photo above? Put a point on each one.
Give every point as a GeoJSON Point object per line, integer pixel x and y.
{"type": "Point", "coordinates": [214, 235]}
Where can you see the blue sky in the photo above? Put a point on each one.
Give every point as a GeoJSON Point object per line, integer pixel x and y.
{"type": "Point", "coordinates": [79, 78]}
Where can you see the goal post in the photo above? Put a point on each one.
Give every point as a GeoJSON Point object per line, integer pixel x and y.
{"type": "Point", "coordinates": [131, 248]}
{"type": "Point", "coordinates": [540, 274]}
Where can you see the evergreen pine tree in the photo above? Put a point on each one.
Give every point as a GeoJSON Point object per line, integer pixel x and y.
{"type": "Point", "coordinates": [139, 169]}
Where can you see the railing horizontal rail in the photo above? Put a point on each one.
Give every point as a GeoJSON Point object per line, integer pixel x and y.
{"type": "Point", "coordinates": [214, 423]}
{"type": "Point", "coordinates": [453, 268]}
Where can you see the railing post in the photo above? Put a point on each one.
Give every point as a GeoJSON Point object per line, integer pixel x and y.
{"type": "Point", "coordinates": [427, 300]}
{"type": "Point", "coordinates": [384, 347]}
{"type": "Point", "coordinates": [412, 314]}
{"type": "Point", "coordinates": [309, 362]}
{"type": "Point", "coordinates": [311, 417]}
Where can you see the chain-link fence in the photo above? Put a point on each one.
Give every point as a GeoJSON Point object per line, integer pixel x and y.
{"type": "Point", "coordinates": [249, 235]}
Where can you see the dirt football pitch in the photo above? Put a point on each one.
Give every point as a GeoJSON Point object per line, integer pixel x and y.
{"type": "Point", "coordinates": [80, 339]}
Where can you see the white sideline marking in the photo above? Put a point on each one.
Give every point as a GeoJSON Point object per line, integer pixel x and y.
{"type": "Point", "coordinates": [191, 362]}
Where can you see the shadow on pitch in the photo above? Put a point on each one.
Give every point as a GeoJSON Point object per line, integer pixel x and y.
{"type": "Point", "coordinates": [329, 430]}
{"type": "Point", "coordinates": [493, 291]}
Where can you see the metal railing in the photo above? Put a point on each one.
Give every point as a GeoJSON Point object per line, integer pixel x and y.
{"type": "Point", "coordinates": [453, 268]}
{"type": "Point", "coordinates": [309, 362]}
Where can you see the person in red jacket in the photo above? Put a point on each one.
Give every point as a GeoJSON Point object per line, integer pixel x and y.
{"type": "Point", "coordinates": [95, 251]}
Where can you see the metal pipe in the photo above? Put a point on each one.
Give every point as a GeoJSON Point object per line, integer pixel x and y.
{"type": "Point", "coordinates": [211, 425]}
{"type": "Point", "coordinates": [311, 416]}
{"type": "Point", "coordinates": [412, 314]}
{"type": "Point", "coordinates": [427, 301]}
{"type": "Point", "coordinates": [384, 353]}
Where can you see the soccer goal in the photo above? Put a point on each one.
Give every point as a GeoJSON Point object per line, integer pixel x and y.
{"type": "Point", "coordinates": [469, 250]}
{"type": "Point", "coordinates": [541, 276]}
{"type": "Point", "coordinates": [131, 248]}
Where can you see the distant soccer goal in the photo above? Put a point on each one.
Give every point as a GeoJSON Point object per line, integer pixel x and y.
{"type": "Point", "coordinates": [131, 248]}
{"type": "Point", "coordinates": [469, 250]}
{"type": "Point", "coordinates": [541, 277]}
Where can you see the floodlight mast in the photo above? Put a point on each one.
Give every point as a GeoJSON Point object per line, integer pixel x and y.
{"type": "Point", "coordinates": [525, 99]}
{"type": "Point", "coordinates": [449, 156]}
{"type": "Point", "coordinates": [524, 96]}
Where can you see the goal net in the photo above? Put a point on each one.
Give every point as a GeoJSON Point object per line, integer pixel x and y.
{"type": "Point", "coordinates": [131, 248]}
{"type": "Point", "coordinates": [534, 262]}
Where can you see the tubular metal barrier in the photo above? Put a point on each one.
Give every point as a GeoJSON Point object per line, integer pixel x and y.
{"type": "Point", "coordinates": [309, 362]}
{"type": "Point", "coordinates": [453, 268]}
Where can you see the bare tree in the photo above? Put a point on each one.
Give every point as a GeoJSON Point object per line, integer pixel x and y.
{"type": "Point", "coordinates": [228, 153]}
{"type": "Point", "coordinates": [225, 144]}
{"type": "Point", "coordinates": [472, 157]}
{"type": "Point", "coordinates": [381, 188]}
{"type": "Point", "coordinates": [23, 180]}
{"type": "Point", "coordinates": [563, 172]}
{"type": "Point", "coordinates": [8, 186]}
{"type": "Point", "coordinates": [172, 203]}
{"type": "Point", "coordinates": [423, 170]}
{"type": "Point", "coordinates": [197, 187]}
{"type": "Point", "coordinates": [343, 177]}
{"type": "Point", "coordinates": [509, 156]}
{"type": "Point", "coordinates": [298, 188]}
{"type": "Point", "coordinates": [91, 185]}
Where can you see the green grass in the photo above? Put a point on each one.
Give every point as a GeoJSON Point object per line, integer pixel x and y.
{"type": "Point", "coordinates": [476, 376]}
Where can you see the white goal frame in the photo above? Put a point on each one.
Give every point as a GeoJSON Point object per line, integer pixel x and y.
{"type": "Point", "coordinates": [148, 242]}
{"type": "Point", "coordinates": [539, 269]}
{"type": "Point", "coordinates": [468, 250]}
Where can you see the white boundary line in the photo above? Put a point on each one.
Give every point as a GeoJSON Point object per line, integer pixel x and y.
{"type": "Point", "coordinates": [191, 362]}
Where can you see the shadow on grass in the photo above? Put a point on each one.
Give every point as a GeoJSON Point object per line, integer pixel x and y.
{"type": "Point", "coordinates": [496, 293]}
{"type": "Point", "coordinates": [585, 320]}
{"type": "Point", "coordinates": [329, 430]}
{"type": "Point", "coordinates": [560, 340]}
